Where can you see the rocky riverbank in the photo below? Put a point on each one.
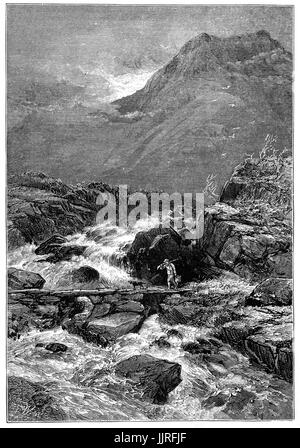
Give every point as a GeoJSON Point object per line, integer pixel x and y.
{"type": "Point", "coordinates": [236, 282]}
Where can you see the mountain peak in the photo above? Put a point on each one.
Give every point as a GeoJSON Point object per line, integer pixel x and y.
{"type": "Point", "coordinates": [261, 37]}
{"type": "Point", "coordinates": [206, 56]}
{"type": "Point", "coordinates": [204, 52]}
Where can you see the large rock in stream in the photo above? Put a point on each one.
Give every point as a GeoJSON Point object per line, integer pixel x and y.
{"type": "Point", "coordinates": [51, 245]}
{"type": "Point", "coordinates": [156, 377]}
{"type": "Point", "coordinates": [102, 323]}
{"type": "Point", "coordinates": [151, 247]}
{"type": "Point", "coordinates": [85, 274]}
{"type": "Point", "coordinates": [114, 325]}
{"type": "Point", "coordinates": [57, 249]}
{"type": "Point", "coordinates": [21, 279]}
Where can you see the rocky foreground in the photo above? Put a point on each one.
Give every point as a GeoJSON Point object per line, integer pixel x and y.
{"type": "Point", "coordinates": [237, 280]}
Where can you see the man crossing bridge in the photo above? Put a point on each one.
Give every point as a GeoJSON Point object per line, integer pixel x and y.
{"type": "Point", "coordinates": [171, 272]}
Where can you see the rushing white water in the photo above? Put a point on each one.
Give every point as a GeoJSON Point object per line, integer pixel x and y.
{"type": "Point", "coordinates": [105, 247]}
{"type": "Point", "coordinates": [83, 381]}
{"type": "Point", "coordinates": [85, 385]}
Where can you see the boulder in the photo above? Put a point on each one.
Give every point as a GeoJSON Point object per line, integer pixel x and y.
{"type": "Point", "coordinates": [100, 310]}
{"type": "Point", "coordinates": [144, 239]}
{"type": "Point", "coordinates": [281, 265]}
{"type": "Point", "coordinates": [174, 333]}
{"type": "Point", "coordinates": [85, 274]}
{"type": "Point", "coordinates": [272, 349]}
{"type": "Point", "coordinates": [163, 246]}
{"type": "Point", "coordinates": [231, 251]}
{"type": "Point", "coordinates": [161, 342]}
{"type": "Point", "coordinates": [150, 248]}
{"type": "Point", "coordinates": [114, 325]}
{"type": "Point", "coordinates": [51, 245]}
{"type": "Point", "coordinates": [273, 291]}
{"type": "Point", "coordinates": [252, 246]}
{"type": "Point", "coordinates": [65, 253]}
{"type": "Point", "coordinates": [196, 348]}
{"type": "Point", "coordinates": [84, 306]}
{"type": "Point", "coordinates": [186, 314]}
{"type": "Point", "coordinates": [221, 232]}
{"type": "Point", "coordinates": [29, 401]}
{"type": "Point", "coordinates": [156, 377]}
{"type": "Point", "coordinates": [130, 307]}
{"type": "Point", "coordinates": [265, 335]}
{"type": "Point", "coordinates": [217, 400]}
{"type": "Point", "coordinates": [29, 313]}
{"type": "Point", "coordinates": [21, 279]}
{"type": "Point", "coordinates": [54, 347]}
{"type": "Point", "coordinates": [44, 316]}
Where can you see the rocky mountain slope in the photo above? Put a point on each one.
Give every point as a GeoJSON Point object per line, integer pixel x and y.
{"type": "Point", "coordinates": [215, 101]}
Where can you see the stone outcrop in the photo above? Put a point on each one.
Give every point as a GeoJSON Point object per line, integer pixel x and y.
{"type": "Point", "coordinates": [250, 230]}
{"type": "Point", "coordinates": [249, 249]}
{"type": "Point", "coordinates": [51, 245]}
{"type": "Point", "coordinates": [22, 279]}
{"type": "Point", "coordinates": [40, 207]}
{"type": "Point", "coordinates": [272, 291]}
{"type": "Point", "coordinates": [27, 312]}
{"type": "Point", "coordinates": [151, 247]}
{"type": "Point", "coordinates": [207, 305]}
{"type": "Point", "coordinates": [59, 249]}
{"type": "Point", "coordinates": [263, 332]}
{"type": "Point", "coordinates": [265, 335]}
{"type": "Point", "coordinates": [156, 377]}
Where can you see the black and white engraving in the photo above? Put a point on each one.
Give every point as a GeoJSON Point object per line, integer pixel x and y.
{"type": "Point", "coordinates": [149, 212]}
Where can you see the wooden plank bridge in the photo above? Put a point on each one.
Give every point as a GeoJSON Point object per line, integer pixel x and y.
{"type": "Point", "coordinates": [93, 293]}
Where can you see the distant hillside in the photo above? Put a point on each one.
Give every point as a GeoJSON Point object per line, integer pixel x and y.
{"type": "Point", "coordinates": [214, 102]}
{"type": "Point", "coordinates": [218, 99]}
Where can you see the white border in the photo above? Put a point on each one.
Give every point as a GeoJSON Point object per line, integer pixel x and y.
{"type": "Point", "coordinates": [188, 424]}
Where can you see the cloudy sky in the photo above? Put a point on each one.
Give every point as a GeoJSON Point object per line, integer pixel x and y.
{"type": "Point", "coordinates": [109, 51]}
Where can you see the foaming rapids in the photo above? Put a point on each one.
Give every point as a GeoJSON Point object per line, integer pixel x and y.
{"type": "Point", "coordinates": [106, 246]}
{"type": "Point", "coordinates": [84, 382]}
{"type": "Point", "coordinates": [83, 378]}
